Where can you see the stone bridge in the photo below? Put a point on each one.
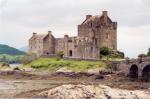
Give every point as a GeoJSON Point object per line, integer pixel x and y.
{"type": "Point", "coordinates": [134, 68]}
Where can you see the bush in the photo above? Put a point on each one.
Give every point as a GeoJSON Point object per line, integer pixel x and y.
{"type": "Point", "coordinates": [28, 58]}
{"type": "Point", "coordinates": [142, 56]}
{"type": "Point", "coordinates": [109, 53]}
{"type": "Point", "coordinates": [148, 53]}
{"type": "Point", "coordinates": [105, 51]}
{"type": "Point", "coordinates": [16, 68]}
{"type": "Point", "coordinates": [60, 54]}
{"type": "Point", "coordinates": [4, 64]}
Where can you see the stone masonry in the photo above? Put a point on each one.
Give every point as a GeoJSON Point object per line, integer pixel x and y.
{"type": "Point", "coordinates": [93, 33]}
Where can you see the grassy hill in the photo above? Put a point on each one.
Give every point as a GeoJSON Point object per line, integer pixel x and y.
{"type": "Point", "coordinates": [5, 49]}
{"type": "Point", "coordinates": [54, 64]}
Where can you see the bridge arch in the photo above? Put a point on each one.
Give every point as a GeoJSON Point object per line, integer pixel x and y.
{"type": "Point", "coordinates": [146, 73]}
{"type": "Point", "coordinates": [133, 71]}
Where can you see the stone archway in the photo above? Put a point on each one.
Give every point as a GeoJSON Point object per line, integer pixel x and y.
{"type": "Point", "coordinates": [133, 73]}
{"type": "Point", "coordinates": [146, 73]}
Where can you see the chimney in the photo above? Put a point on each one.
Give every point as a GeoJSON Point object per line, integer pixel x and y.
{"type": "Point", "coordinates": [34, 34]}
{"type": "Point", "coordinates": [105, 13]}
{"type": "Point", "coordinates": [88, 16]}
{"type": "Point", "coordinates": [49, 32]}
{"type": "Point", "coordinates": [66, 35]}
{"type": "Point", "coordinates": [105, 17]}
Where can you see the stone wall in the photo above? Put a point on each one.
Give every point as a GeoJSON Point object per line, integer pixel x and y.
{"type": "Point", "coordinates": [94, 33]}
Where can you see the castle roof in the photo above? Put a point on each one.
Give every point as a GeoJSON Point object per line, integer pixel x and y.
{"type": "Point", "coordinates": [40, 36]}
{"type": "Point", "coordinates": [96, 18]}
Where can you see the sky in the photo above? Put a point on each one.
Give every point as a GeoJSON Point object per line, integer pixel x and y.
{"type": "Point", "coordinates": [20, 18]}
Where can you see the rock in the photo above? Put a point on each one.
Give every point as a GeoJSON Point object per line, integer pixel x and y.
{"type": "Point", "coordinates": [99, 77]}
{"type": "Point", "coordinates": [64, 69]}
{"type": "Point", "coordinates": [106, 71]}
{"type": "Point", "coordinates": [93, 71]}
{"type": "Point", "coordinates": [92, 92]}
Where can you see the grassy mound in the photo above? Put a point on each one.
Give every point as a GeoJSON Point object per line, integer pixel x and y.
{"type": "Point", "coordinates": [53, 64]}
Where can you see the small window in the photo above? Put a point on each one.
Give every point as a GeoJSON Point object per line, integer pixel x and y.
{"type": "Point", "coordinates": [70, 52]}
{"type": "Point", "coordinates": [70, 41]}
{"type": "Point", "coordinates": [91, 24]}
{"type": "Point", "coordinates": [107, 35]}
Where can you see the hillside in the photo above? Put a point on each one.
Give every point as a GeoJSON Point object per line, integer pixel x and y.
{"type": "Point", "coordinates": [55, 64]}
{"type": "Point", "coordinates": [5, 49]}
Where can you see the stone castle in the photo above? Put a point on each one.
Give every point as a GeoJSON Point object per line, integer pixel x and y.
{"type": "Point", "coordinates": [93, 33]}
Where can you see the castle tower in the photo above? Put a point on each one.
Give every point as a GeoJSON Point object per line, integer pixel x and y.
{"type": "Point", "coordinates": [101, 28]}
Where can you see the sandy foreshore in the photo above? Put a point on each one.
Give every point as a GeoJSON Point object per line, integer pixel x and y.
{"type": "Point", "coordinates": [18, 84]}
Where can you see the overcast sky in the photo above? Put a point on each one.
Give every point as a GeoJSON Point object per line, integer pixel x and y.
{"type": "Point", "coordinates": [20, 18]}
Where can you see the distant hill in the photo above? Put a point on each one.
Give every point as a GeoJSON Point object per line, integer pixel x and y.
{"type": "Point", "coordinates": [24, 49]}
{"type": "Point", "coordinates": [5, 49]}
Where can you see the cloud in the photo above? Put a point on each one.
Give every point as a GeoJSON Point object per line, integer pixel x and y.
{"type": "Point", "coordinates": [134, 41]}
{"type": "Point", "coordinates": [3, 3]}
{"type": "Point", "coordinates": [19, 18]}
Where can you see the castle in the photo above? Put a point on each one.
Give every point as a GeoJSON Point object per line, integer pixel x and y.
{"type": "Point", "coordinates": [93, 33]}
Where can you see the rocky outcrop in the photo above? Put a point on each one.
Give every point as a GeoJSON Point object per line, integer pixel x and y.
{"type": "Point", "coordinates": [91, 92]}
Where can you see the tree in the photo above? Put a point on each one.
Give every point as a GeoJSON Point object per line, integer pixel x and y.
{"type": "Point", "coordinates": [3, 59]}
{"type": "Point", "coordinates": [105, 51]}
{"type": "Point", "coordinates": [110, 53]}
{"type": "Point", "coordinates": [142, 55]}
{"type": "Point", "coordinates": [60, 54]}
{"type": "Point", "coordinates": [148, 54]}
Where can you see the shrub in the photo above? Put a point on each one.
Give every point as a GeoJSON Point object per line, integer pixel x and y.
{"type": "Point", "coordinates": [142, 55]}
{"type": "Point", "coordinates": [60, 54]}
{"type": "Point", "coordinates": [105, 51]}
{"type": "Point", "coordinates": [4, 64]}
{"type": "Point", "coordinates": [109, 53]}
{"type": "Point", "coordinates": [148, 54]}
{"type": "Point", "coordinates": [16, 68]}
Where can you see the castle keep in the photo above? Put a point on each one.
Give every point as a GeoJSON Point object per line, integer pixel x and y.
{"type": "Point", "coordinates": [93, 33]}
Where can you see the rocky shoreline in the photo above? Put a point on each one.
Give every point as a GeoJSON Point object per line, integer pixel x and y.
{"type": "Point", "coordinates": [91, 92]}
{"type": "Point", "coordinates": [58, 79]}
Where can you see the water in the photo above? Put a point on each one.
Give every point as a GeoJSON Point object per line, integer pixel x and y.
{"type": "Point", "coordinates": [9, 88]}
{"type": "Point", "coordinates": [15, 65]}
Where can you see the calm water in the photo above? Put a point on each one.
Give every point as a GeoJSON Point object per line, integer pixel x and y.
{"type": "Point", "coordinates": [14, 65]}
{"type": "Point", "coordinates": [9, 88]}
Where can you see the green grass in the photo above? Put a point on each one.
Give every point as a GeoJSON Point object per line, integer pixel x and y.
{"type": "Point", "coordinates": [53, 64]}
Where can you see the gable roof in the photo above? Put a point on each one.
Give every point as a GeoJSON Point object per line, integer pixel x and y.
{"type": "Point", "coordinates": [38, 36]}
{"type": "Point", "coordinates": [97, 17]}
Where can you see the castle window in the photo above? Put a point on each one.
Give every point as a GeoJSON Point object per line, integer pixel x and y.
{"type": "Point", "coordinates": [107, 35]}
{"type": "Point", "coordinates": [70, 52]}
{"type": "Point", "coordinates": [97, 26]}
{"type": "Point", "coordinates": [70, 41]}
{"type": "Point", "coordinates": [91, 48]}
{"type": "Point", "coordinates": [91, 24]}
